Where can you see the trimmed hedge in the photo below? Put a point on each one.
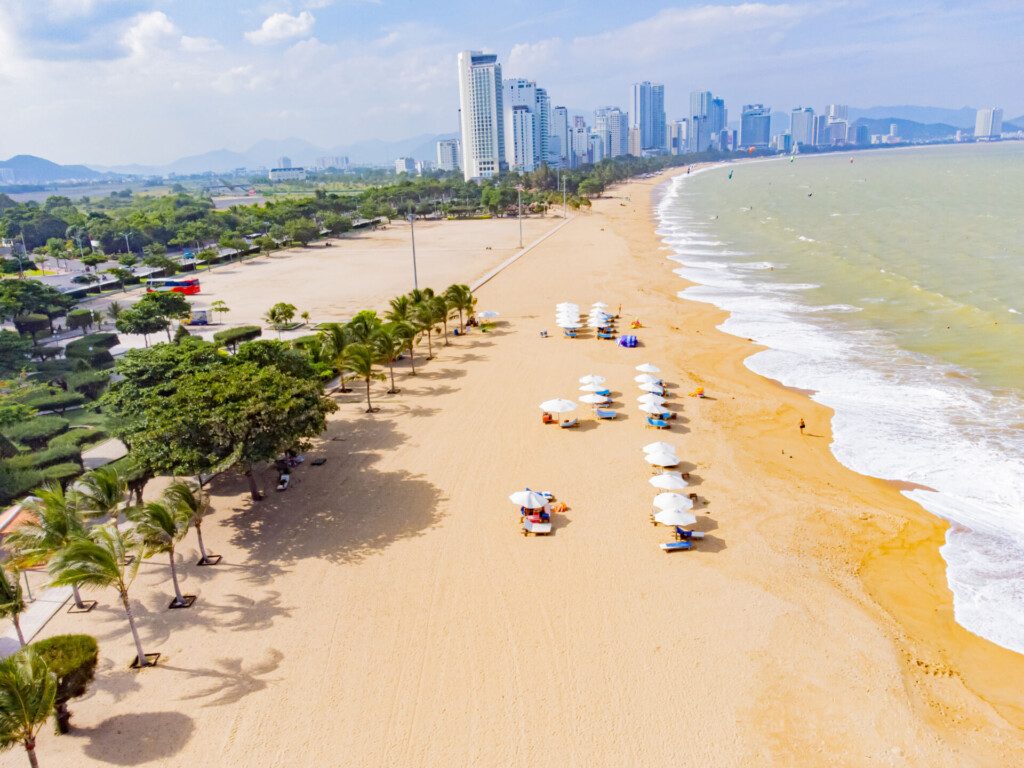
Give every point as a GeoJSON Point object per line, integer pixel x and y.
{"type": "Point", "coordinates": [54, 400]}
{"type": "Point", "coordinates": [79, 437]}
{"type": "Point", "coordinates": [37, 431]}
{"type": "Point", "coordinates": [17, 482]}
{"type": "Point", "coordinates": [89, 383]}
{"type": "Point", "coordinates": [232, 337]}
{"type": "Point", "coordinates": [104, 340]}
{"type": "Point", "coordinates": [62, 473]}
{"type": "Point", "coordinates": [94, 349]}
{"type": "Point", "coordinates": [55, 454]}
{"type": "Point", "coordinates": [67, 365]}
{"type": "Point", "coordinates": [72, 659]}
{"type": "Point", "coordinates": [46, 352]}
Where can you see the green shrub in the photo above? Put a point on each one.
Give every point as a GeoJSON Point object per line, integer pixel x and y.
{"type": "Point", "coordinates": [72, 659]}
{"type": "Point", "coordinates": [67, 365]}
{"type": "Point", "coordinates": [46, 352]}
{"type": "Point", "coordinates": [62, 473]}
{"type": "Point", "coordinates": [55, 454]}
{"type": "Point", "coordinates": [232, 337]}
{"type": "Point", "coordinates": [79, 436]}
{"type": "Point", "coordinates": [32, 324]}
{"type": "Point", "coordinates": [89, 383]}
{"type": "Point", "coordinates": [53, 400]}
{"type": "Point", "coordinates": [93, 349]}
{"type": "Point", "coordinates": [15, 483]}
{"type": "Point", "coordinates": [36, 432]}
{"type": "Point", "coordinates": [104, 340]}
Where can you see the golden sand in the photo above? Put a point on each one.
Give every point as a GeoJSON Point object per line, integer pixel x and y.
{"type": "Point", "coordinates": [385, 611]}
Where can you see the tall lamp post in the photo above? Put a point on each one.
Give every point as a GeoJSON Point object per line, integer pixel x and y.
{"type": "Point", "coordinates": [127, 244]}
{"type": "Point", "coordinates": [564, 211]}
{"type": "Point", "coordinates": [412, 233]}
{"type": "Point", "coordinates": [519, 204]}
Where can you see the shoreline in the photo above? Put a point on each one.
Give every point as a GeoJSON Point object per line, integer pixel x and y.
{"type": "Point", "coordinates": [933, 644]}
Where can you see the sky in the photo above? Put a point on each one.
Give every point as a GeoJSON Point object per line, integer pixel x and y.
{"type": "Point", "coordinates": [148, 81]}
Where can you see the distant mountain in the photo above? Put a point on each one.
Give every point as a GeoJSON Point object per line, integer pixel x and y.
{"type": "Point", "coordinates": [909, 129]}
{"type": "Point", "coordinates": [959, 118]}
{"type": "Point", "coordinates": [29, 169]}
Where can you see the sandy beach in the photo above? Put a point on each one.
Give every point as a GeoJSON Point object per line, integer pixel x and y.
{"type": "Point", "coordinates": [385, 610]}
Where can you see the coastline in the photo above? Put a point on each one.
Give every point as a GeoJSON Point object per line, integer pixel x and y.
{"type": "Point", "coordinates": [898, 563]}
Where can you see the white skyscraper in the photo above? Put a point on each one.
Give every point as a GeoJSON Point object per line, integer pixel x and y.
{"type": "Point", "coordinates": [525, 93]}
{"type": "Point", "coordinates": [616, 122]}
{"type": "Point", "coordinates": [988, 124]}
{"type": "Point", "coordinates": [648, 114]}
{"type": "Point", "coordinates": [520, 134]}
{"type": "Point", "coordinates": [678, 131]}
{"type": "Point", "coordinates": [449, 154]}
{"type": "Point", "coordinates": [801, 126]}
{"type": "Point", "coordinates": [580, 142]}
{"type": "Point", "coordinates": [561, 135]}
{"type": "Point", "coordinates": [481, 116]}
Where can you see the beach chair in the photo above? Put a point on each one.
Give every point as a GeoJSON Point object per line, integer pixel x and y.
{"type": "Point", "coordinates": [547, 418]}
{"type": "Point", "coordinates": [682, 534]}
{"type": "Point", "coordinates": [657, 423]}
{"type": "Point", "coordinates": [536, 528]}
{"type": "Point", "coordinates": [573, 422]}
{"type": "Point", "coordinates": [604, 392]}
{"type": "Point", "coordinates": [603, 414]}
{"type": "Point", "coordinates": [675, 546]}
{"type": "Point", "coordinates": [604, 335]}
{"type": "Point", "coordinates": [543, 334]}
{"type": "Point", "coordinates": [569, 334]}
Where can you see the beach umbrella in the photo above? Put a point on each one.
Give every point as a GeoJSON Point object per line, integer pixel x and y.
{"type": "Point", "coordinates": [591, 387]}
{"type": "Point", "coordinates": [675, 517]}
{"type": "Point", "coordinates": [592, 378]}
{"type": "Point", "coordinates": [653, 388]}
{"type": "Point", "coordinates": [594, 399]}
{"type": "Point", "coordinates": [646, 378]}
{"type": "Point", "coordinates": [650, 397]}
{"type": "Point", "coordinates": [672, 501]}
{"type": "Point", "coordinates": [652, 408]}
{"type": "Point", "coordinates": [599, 304]}
{"type": "Point", "coordinates": [568, 306]}
{"type": "Point", "coordinates": [569, 326]}
{"type": "Point", "coordinates": [558, 405]}
{"type": "Point", "coordinates": [669, 481]}
{"type": "Point", "coordinates": [659, 447]}
{"type": "Point", "coordinates": [487, 314]}
{"type": "Point", "coordinates": [528, 499]}
{"type": "Point", "coordinates": [662, 459]}
{"type": "Point", "coordinates": [648, 368]}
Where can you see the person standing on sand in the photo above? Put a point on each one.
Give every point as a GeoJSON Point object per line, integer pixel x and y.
{"type": "Point", "coordinates": [802, 425]}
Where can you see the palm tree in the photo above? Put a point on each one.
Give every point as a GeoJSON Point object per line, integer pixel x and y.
{"type": "Point", "coordinates": [461, 298]}
{"type": "Point", "coordinates": [424, 315]}
{"type": "Point", "coordinates": [389, 343]}
{"type": "Point", "coordinates": [11, 601]}
{"type": "Point", "coordinates": [28, 691]}
{"type": "Point", "coordinates": [161, 525]}
{"type": "Point", "coordinates": [182, 495]}
{"type": "Point", "coordinates": [100, 493]}
{"type": "Point", "coordinates": [218, 307]}
{"type": "Point", "coordinates": [401, 309]}
{"type": "Point", "coordinates": [113, 310]}
{"type": "Point", "coordinates": [363, 326]}
{"type": "Point", "coordinates": [57, 519]}
{"type": "Point", "coordinates": [280, 315]}
{"type": "Point", "coordinates": [361, 360]}
{"type": "Point", "coordinates": [305, 317]}
{"type": "Point", "coordinates": [335, 337]}
{"type": "Point", "coordinates": [104, 558]}
{"type": "Point", "coordinates": [406, 331]}
{"type": "Point", "coordinates": [442, 309]}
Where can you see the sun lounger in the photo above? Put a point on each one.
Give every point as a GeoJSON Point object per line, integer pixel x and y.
{"type": "Point", "coordinates": [569, 334]}
{"type": "Point", "coordinates": [675, 546]}
{"type": "Point", "coordinates": [682, 534]}
{"type": "Point", "coordinates": [657, 423]}
{"type": "Point", "coordinates": [605, 336]}
{"type": "Point", "coordinates": [537, 529]}
{"type": "Point", "coordinates": [603, 414]}
{"type": "Point", "coordinates": [570, 423]}
{"type": "Point", "coordinates": [604, 392]}
{"type": "Point", "coordinates": [543, 334]}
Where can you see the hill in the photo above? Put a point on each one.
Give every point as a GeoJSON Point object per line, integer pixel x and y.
{"type": "Point", "coordinates": [959, 118]}
{"type": "Point", "coordinates": [909, 129]}
{"type": "Point", "coordinates": [29, 169]}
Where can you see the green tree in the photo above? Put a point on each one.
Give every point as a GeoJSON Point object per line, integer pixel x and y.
{"type": "Point", "coordinates": [195, 504]}
{"type": "Point", "coordinates": [104, 558]}
{"type": "Point", "coordinates": [14, 351]}
{"type": "Point", "coordinates": [389, 343]}
{"type": "Point", "coordinates": [28, 691]}
{"type": "Point", "coordinates": [361, 359]}
{"type": "Point", "coordinates": [302, 230]}
{"type": "Point", "coordinates": [12, 604]}
{"type": "Point", "coordinates": [114, 310]}
{"type": "Point", "coordinates": [122, 275]}
{"type": "Point", "coordinates": [100, 493]}
{"type": "Point", "coordinates": [72, 659]}
{"type": "Point", "coordinates": [142, 320]}
{"type": "Point", "coordinates": [280, 315]}
{"type": "Point", "coordinates": [461, 298]}
{"type": "Point", "coordinates": [362, 327]}
{"type": "Point", "coordinates": [160, 526]}
{"type": "Point", "coordinates": [79, 319]}
{"type": "Point", "coordinates": [335, 338]}
{"type": "Point", "coordinates": [442, 309]}
{"type": "Point", "coordinates": [425, 317]}
{"type": "Point", "coordinates": [218, 307]}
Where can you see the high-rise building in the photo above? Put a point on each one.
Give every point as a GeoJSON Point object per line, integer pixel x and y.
{"type": "Point", "coordinates": [481, 115]}
{"type": "Point", "coordinates": [284, 162]}
{"type": "Point", "coordinates": [525, 93]}
{"type": "Point", "coordinates": [781, 142]}
{"type": "Point", "coordinates": [708, 118]}
{"type": "Point", "coordinates": [634, 141]}
{"type": "Point", "coordinates": [405, 165]}
{"type": "Point", "coordinates": [542, 119]}
{"type": "Point", "coordinates": [580, 142]}
{"type": "Point", "coordinates": [755, 126]}
{"type": "Point", "coordinates": [988, 124]}
{"type": "Point", "coordinates": [801, 126]}
{"type": "Point", "coordinates": [520, 136]}
{"type": "Point", "coordinates": [598, 146]}
{"type": "Point", "coordinates": [648, 114]}
{"type": "Point", "coordinates": [561, 135]}
{"type": "Point", "coordinates": [616, 122]}
{"type": "Point", "coordinates": [449, 154]}
{"type": "Point", "coordinates": [340, 162]}
{"type": "Point", "coordinates": [837, 112]}
{"type": "Point", "coordinates": [677, 136]}
{"type": "Point", "coordinates": [822, 135]}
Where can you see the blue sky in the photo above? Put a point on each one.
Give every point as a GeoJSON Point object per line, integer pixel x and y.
{"type": "Point", "coordinates": [119, 81]}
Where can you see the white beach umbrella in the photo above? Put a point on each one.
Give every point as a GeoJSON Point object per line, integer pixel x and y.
{"type": "Point", "coordinates": [651, 408]}
{"type": "Point", "coordinates": [659, 447]}
{"type": "Point", "coordinates": [648, 368]}
{"type": "Point", "coordinates": [592, 387]}
{"type": "Point", "coordinates": [669, 481]}
{"type": "Point", "coordinates": [487, 314]}
{"type": "Point", "coordinates": [569, 326]}
{"type": "Point", "coordinates": [662, 459]}
{"type": "Point", "coordinates": [567, 315]}
{"type": "Point", "coordinates": [650, 397]}
{"type": "Point", "coordinates": [654, 388]}
{"type": "Point", "coordinates": [592, 378]}
{"type": "Point", "coordinates": [600, 304]}
{"type": "Point", "coordinates": [646, 378]}
{"type": "Point", "coordinates": [528, 499]}
{"type": "Point", "coordinates": [669, 500]}
{"type": "Point", "coordinates": [675, 517]}
{"type": "Point", "coordinates": [558, 405]}
{"type": "Point", "coordinates": [594, 399]}
{"type": "Point", "coordinates": [568, 305]}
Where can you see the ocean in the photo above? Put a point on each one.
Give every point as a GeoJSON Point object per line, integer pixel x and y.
{"type": "Point", "coordinates": [891, 284]}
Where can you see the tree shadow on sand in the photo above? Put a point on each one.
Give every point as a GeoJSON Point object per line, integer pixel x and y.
{"type": "Point", "coordinates": [230, 680]}
{"type": "Point", "coordinates": [137, 738]}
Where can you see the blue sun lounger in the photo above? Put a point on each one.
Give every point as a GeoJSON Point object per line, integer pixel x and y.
{"type": "Point", "coordinates": [603, 414]}
{"type": "Point", "coordinates": [682, 534]}
{"type": "Point", "coordinates": [657, 423]}
{"type": "Point", "coordinates": [604, 392]}
{"type": "Point", "coordinates": [570, 423]}
{"type": "Point", "coordinates": [605, 335]}
{"type": "Point", "coordinates": [675, 546]}
{"type": "Point", "coordinates": [569, 334]}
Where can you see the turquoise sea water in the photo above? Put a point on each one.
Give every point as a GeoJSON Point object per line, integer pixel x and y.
{"type": "Point", "coordinates": [891, 283]}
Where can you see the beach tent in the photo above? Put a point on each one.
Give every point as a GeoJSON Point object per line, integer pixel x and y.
{"type": "Point", "coordinates": [672, 501]}
{"type": "Point", "coordinates": [528, 499]}
{"type": "Point", "coordinates": [669, 481]}
{"type": "Point", "coordinates": [648, 368]}
{"type": "Point", "coordinates": [675, 517]}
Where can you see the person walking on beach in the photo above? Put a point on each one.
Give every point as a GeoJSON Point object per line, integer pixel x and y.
{"type": "Point", "coordinates": [802, 425]}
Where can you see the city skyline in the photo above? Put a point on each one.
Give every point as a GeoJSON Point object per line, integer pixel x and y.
{"type": "Point", "coordinates": [153, 80]}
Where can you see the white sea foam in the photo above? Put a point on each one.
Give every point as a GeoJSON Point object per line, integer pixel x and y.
{"type": "Point", "coordinates": [901, 416]}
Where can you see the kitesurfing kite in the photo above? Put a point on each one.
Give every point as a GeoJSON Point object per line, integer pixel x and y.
{"type": "Point", "coordinates": [730, 174]}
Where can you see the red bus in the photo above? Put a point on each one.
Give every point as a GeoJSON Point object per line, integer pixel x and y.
{"type": "Point", "coordinates": [186, 285]}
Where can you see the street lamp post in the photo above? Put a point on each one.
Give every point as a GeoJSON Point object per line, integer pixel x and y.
{"type": "Point", "coordinates": [412, 234]}
{"type": "Point", "coordinates": [519, 203]}
{"type": "Point", "coordinates": [127, 244]}
{"type": "Point", "coordinates": [564, 211]}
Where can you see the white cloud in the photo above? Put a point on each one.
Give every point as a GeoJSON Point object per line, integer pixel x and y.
{"type": "Point", "coordinates": [199, 44]}
{"type": "Point", "coordinates": [150, 32]}
{"type": "Point", "coordinates": [282, 26]}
